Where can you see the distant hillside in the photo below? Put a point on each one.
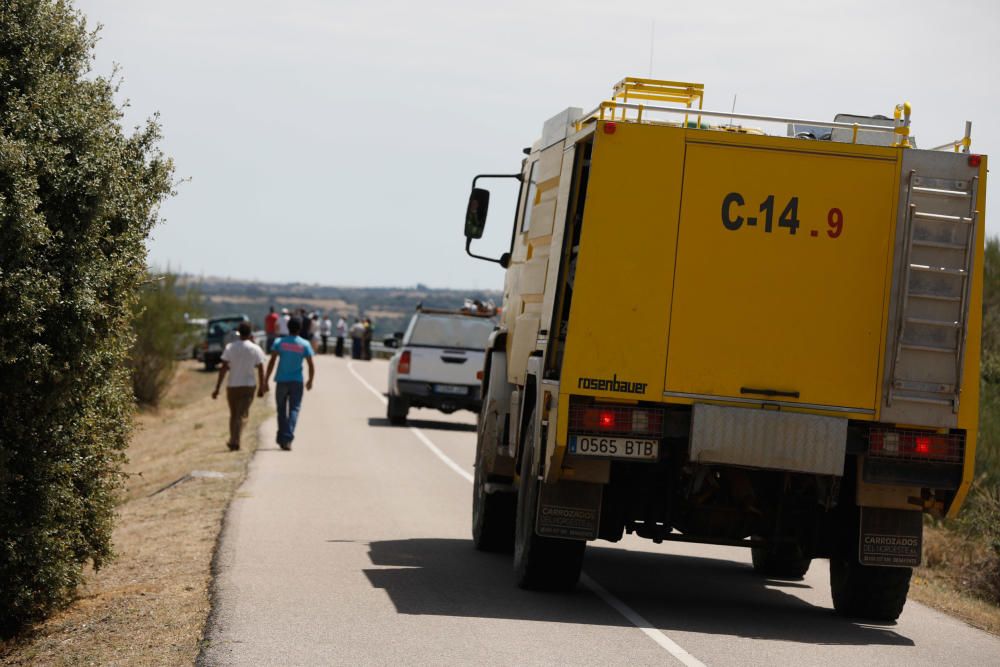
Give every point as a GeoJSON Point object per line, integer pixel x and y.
{"type": "Point", "coordinates": [388, 307]}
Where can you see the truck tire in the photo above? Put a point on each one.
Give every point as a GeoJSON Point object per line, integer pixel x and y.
{"type": "Point", "coordinates": [493, 516]}
{"type": "Point", "coordinates": [781, 564]}
{"type": "Point", "coordinates": [541, 563]}
{"type": "Point", "coordinates": [396, 410]}
{"type": "Point", "coordinates": [866, 591]}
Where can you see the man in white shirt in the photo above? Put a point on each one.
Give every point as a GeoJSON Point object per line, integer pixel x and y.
{"type": "Point", "coordinates": [283, 322]}
{"type": "Point", "coordinates": [325, 329]}
{"type": "Point", "coordinates": [240, 359]}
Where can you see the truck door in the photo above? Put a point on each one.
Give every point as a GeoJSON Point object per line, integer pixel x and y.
{"type": "Point", "coordinates": [780, 289]}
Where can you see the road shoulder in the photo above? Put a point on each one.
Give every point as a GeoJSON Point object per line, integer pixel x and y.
{"type": "Point", "coordinates": [149, 605]}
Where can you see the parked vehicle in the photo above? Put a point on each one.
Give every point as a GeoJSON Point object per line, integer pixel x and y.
{"type": "Point", "coordinates": [219, 332]}
{"type": "Point", "coordinates": [438, 360]}
{"type": "Point", "coordinates": [189, 343]}
{"type": "Point", "coordinates": [714, 335]}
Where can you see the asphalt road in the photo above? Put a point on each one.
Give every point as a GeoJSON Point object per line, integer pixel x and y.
{"type": "Point", "coordinates": [354, 549]}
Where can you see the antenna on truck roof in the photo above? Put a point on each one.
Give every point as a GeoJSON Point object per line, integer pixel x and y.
{"type": "Point", "coordinates": [652, 36]}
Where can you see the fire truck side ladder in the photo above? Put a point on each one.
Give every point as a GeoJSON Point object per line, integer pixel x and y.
{"type": "Point", "coordinates": [932, 311]}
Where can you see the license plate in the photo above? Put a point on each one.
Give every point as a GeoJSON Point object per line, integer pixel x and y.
{"type": "Point", "coordinates": [214, 347]}
{"type": "Point", "coordinates": [452, 389]}
{"type": "Point", "coordinates": [618, 448]}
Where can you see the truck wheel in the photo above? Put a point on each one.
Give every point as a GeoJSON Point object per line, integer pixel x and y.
{"type": "Point", "coordinates": [541, 563]}
{"type": "Point", "coordinates": [866, 591]}
{"type": "Point", "coordinates": [396, 410]}
{"type": "Point", "coordinates": [493, 516]}
{"type": "Point", "coordinates": [781, 564]}
{"type": "Point", "coordinates": [209, 366]}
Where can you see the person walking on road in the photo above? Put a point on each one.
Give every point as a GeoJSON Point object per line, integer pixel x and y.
{"type": "Point", "coordinates": [270, 328]}
{"type": "Point", "coordinates": [325, 329]}
{"type": "Point", "coordinates": [244, 361]}
{"type": "Point", "coordinates": [289, 352]}
{"type": "Point", "coordinates": [341, 335]}
{"type": "Point", "coordinates": [283, 323]}
{"type": "Point", "coordinates": [366, 340]}
{"type": "Point", "coordinates": [314, 328]}
{"type": "Point", "coordinates": [307, 330]}
{"type": "Point", "coordinates": [357, 336]}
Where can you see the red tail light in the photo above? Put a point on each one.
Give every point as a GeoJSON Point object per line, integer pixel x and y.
{"type": "Point", "coordinates": [404, 363]}
{"type": "Point", "coordinates": [625, 420]}
{"type": "Point", "coordinates": [916, 445]}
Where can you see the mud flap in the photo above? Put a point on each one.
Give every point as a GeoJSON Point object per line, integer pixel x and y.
{"type": "Point", "coordinates": [890, 537]}
{"type": "Point", "coordinates": [569, 510]}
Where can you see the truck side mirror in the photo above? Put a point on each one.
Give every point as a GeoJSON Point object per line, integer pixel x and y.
{"type": "Point", "coordinates": [475, 213]}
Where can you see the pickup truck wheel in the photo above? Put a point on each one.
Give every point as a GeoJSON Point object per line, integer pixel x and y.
{"type": "Point", "coordinates": [396, 410]}
{"type": "Point", "coordinates": [493, 516]}
{"type": "Point", "coordinates": [209, 365]}
{"type": "Point", "coordinates": [541, 563]}
{"type": "Point", "coordinates": [865, 591]}
{"type": "Point", "coordinates": [781, 564]}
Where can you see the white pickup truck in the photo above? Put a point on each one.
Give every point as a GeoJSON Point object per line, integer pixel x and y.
{"type": "Point", "coordinates": [438, 362]}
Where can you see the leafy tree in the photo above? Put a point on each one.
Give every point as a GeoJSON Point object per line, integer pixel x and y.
{"type": "Point", "coordinates": [988, 445]}
{"type": "Point", "coordinates": [78, 198]}
{"type": "Point", "coordinates": [161, 334]}
{"type": "Point", "coordinates": [991, 310]}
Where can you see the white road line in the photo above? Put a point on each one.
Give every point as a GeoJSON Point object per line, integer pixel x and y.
{"type": "Point", "coordinates": [441, 455]}
{"type": "Point", "coordinates": [638, 621]}
{"type": "Point", "coordinates": [414, 430]}
{"type": "Point", "coordinates": [378, 394]}
{"type": "Point", "coordinates": [631, 615]}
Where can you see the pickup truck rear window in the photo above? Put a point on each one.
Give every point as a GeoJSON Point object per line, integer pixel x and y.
{"type": "Point", "coordinates": [466, 333]}
{"type": "Point", "coordinates": [222, 327]}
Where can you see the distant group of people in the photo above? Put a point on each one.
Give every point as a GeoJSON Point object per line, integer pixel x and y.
{"type": "Point", "coordinates": [319, 331]}
{"type": "Point", "coordinates": [291, 342]}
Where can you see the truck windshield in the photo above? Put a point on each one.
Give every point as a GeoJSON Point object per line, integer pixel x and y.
{"type": "Point", "coordinates": [467, 333]}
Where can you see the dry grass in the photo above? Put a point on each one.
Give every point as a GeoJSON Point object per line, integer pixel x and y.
{"type": "Point", "coordinates": [149, 606]}
{"type": "Point", "coordinates": [954, 567]}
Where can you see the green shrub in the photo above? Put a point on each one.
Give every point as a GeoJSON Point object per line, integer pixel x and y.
{"type": "Point", "coordinates": [969, 550]}
{"type": "Point", "coordinates": [161, 333]}
{"type": "Point", "coordinates": [988, 442]}
{"type": "Point", "coordinates": [77, 200]}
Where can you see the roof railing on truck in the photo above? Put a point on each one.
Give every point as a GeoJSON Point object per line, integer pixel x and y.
{"type": "Point", "coordinates": [618, 109]}
{"type": "Point", "coordinates": [959, 145]}
{"type": "Point", "coordinates": [680, 92]}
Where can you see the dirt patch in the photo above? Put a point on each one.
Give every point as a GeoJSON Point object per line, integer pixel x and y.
{"type": "Point", "coordinates": [149, 606]}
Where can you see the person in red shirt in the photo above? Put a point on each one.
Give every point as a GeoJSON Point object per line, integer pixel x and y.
{"type": "Point", "coordinates": [271, 328]}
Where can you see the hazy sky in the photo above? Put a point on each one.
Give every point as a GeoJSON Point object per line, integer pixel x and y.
{"type": "Point", "coordinates": [335, 141]}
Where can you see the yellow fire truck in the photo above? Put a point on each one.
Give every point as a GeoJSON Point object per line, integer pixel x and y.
{"type": "Point", "coordinates": [714, 335]}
